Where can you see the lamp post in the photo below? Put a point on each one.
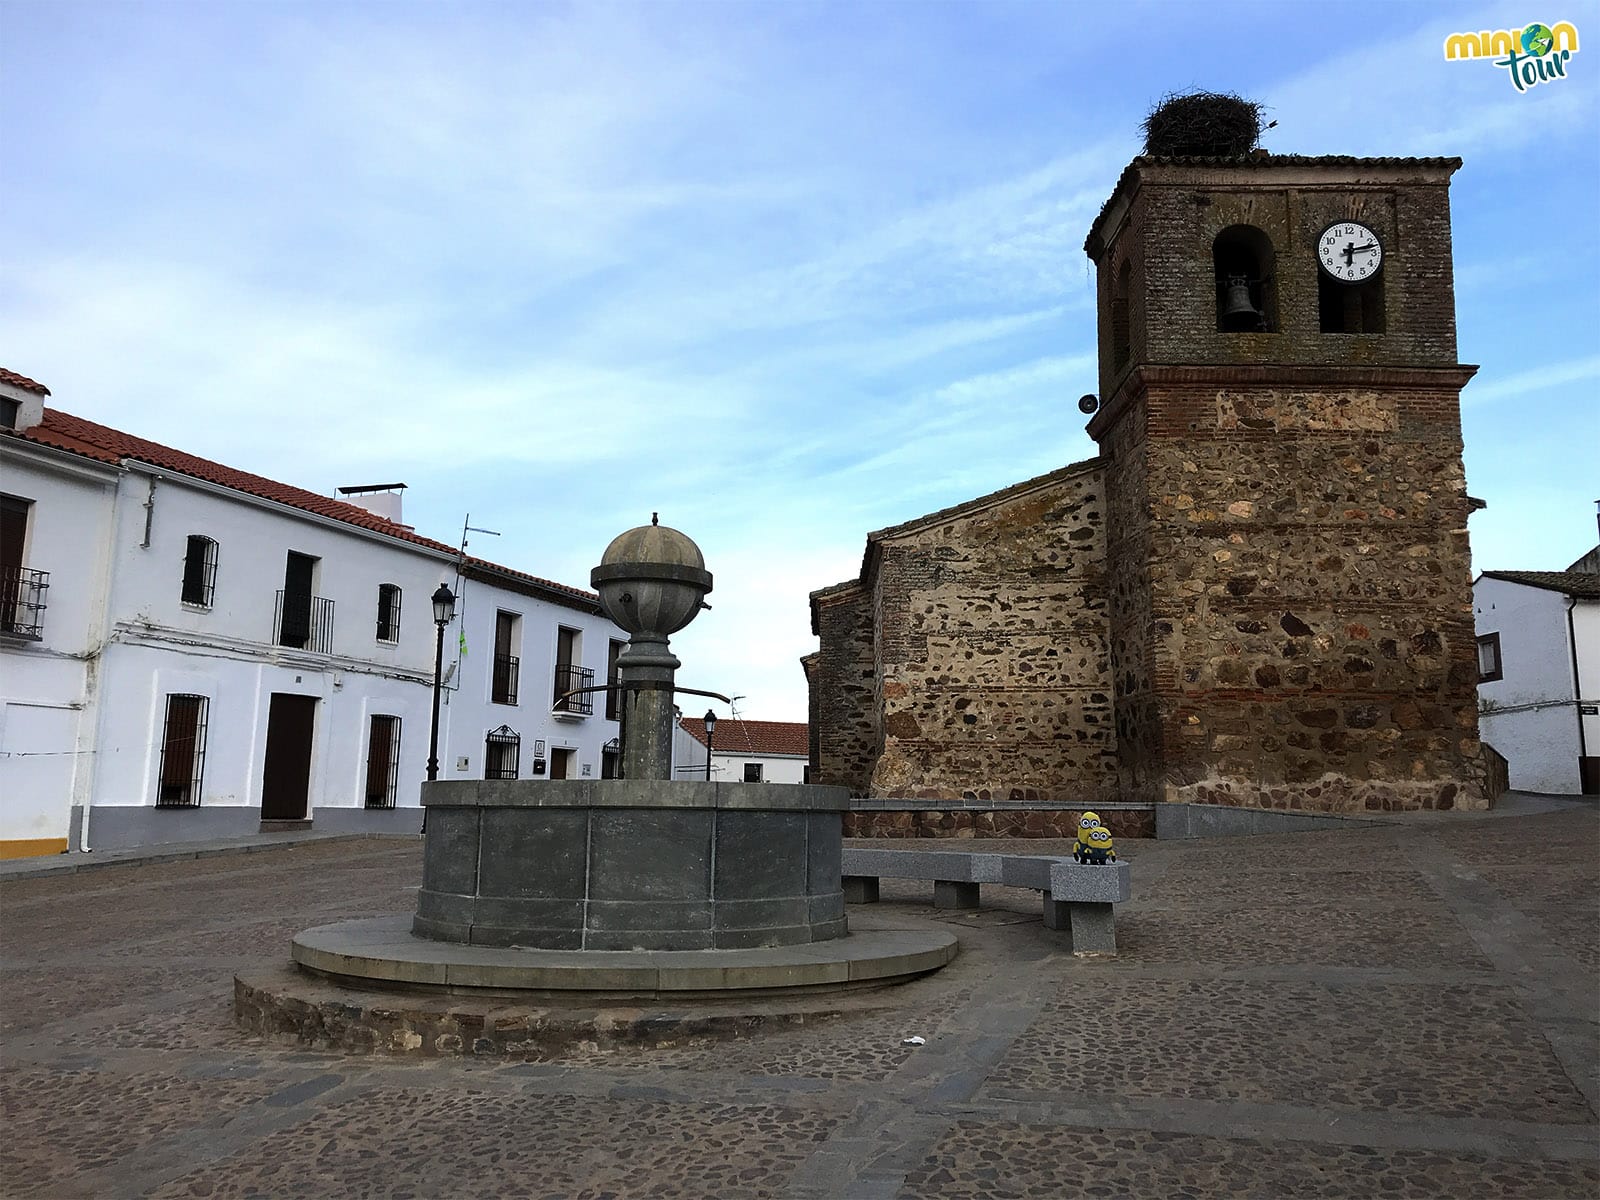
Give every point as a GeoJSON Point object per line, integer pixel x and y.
{"type": "Point", "coordinates": [444, 608]}
{"type": "Point", "coordinates": [711, 729]}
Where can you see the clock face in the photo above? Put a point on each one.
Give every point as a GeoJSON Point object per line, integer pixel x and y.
{"type": "Point", "coordinates": [1349, 251]}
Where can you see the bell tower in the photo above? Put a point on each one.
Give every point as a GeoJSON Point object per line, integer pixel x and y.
{"type": "Point", "coordinates": [1290, 591]}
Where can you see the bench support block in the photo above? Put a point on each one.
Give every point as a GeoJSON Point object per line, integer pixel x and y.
{"type": "Point", "coordinates": [1091, 928]}
{"type": "Point", "coordinates": [947, 893]}
{"type": "Point", "coordinates": [860, 889]}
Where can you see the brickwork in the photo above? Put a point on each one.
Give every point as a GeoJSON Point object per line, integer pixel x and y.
{"type": "Point", "coordinates": [1291, 606]}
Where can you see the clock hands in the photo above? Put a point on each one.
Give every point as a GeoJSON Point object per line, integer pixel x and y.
{"type": "Point", "coordinates": [1351, 250]}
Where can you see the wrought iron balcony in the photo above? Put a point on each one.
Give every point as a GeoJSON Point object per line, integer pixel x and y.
{"type": "Point", "coordinates": [22, 602]}
{"type": "Point", "coordinates": [503, 684]}
{"type": "Point", "coordinates": [569, 678]}
{"type": "Point", "coordinates": [304, 622]}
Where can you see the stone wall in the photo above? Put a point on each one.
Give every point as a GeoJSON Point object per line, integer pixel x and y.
{"type": "Point", "coordinates": [992, 653]}
{"type": "Point", "coordinates": [1313, 642]}
{"type": "Point", "coordinates": [843, 712]}
{"type": "Point", "coordinates": [995, 822]}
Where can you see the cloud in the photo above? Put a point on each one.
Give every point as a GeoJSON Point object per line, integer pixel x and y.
{"type": "Point", "coordinates": [1534, 379]}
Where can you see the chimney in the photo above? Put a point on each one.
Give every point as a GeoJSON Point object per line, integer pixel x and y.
{"type": "Point", "coordinates": [379, 499]}
{"type": "Point", "coordinates": [21, 401]}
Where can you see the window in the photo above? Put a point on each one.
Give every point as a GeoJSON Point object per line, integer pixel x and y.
{"type": "Point", "coordinates": [611, 759]}
{"type": "Point", "coordinates": [303, 620]}
{"type": "Point", "coordinates": [183, 752]}
{"type": "Point", "coordinates": [614, 679]}
{"type": "Point", "coordinates": [1489, 664]}
{"type": "Point", "coordinates": [200, 570]}
{"type": "Point", "coordinates": [21, 589]}
{"type": "Point", "coordinates": [383, 761]}
{"type": "Point", "coordinates": [1242, 262]}
{"type": "Point", "coordinates": [570, 676]}
{"type": "Point", "coordinates": [388, 612]}
{"type": "Point", "coordinates": [752, 772]}
{"type": "Point", "coordinates": [507, 643]}
{"type": "Point", "coordinates": [9, 411]}
{"type": "Point", "coordinates": [500, 751]}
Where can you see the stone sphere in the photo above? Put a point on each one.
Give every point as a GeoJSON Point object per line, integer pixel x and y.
{"type": "Point", "coordinates": [652, 580]}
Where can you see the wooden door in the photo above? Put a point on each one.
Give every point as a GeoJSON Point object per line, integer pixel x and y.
{"type": "Point", "coordinates": [286, 776]}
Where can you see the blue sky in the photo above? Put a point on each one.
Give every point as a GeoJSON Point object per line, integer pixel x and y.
{"type": "Point", "coordinates": [786, 273]}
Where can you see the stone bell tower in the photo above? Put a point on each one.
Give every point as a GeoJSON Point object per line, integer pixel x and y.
{"type": "Point", "coordinates": [1286, 546]}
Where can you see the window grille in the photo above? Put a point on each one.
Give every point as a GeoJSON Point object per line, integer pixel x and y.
{"type": "Point", "coordinates": [503, 684]}
{"type": "Point", "coordinates": [22, 602]}
{"type": "Point", "coordinates": [569, 678]}
{"type": "Point", "coordinates": [388, 613]}
{"type": "Point", "coordinates": [500, 751]}
{"type": "Point", "coordinates": [183, 752]}
{"type": "Point", "coordinates": [611, 759]}
{"type": "Point", "coordinates": [383, 761]}
{"type": "Point", "coordinates": [752, 772]}
{"type": "Point", "coordinates": [200, 570]}
{"type": "Point", "coordinates": [304, 622]}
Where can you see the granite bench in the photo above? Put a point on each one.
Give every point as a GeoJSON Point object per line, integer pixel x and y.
{"type": "Point", "coordinates": [1078, 898]}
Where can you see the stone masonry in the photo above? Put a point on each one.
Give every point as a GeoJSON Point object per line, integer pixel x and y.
{"type": "Point", "coordinates": [1258, 594]}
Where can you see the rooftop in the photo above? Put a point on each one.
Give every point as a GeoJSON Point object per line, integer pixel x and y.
{"type": "Point", "coordinates": [753, 737]}
{"type": "Point", "coordinates": [78, 435]}
{"type": "Point", "coordinates": [1580, 584]}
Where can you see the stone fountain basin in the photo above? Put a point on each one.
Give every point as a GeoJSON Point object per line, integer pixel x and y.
{"type": "Point", "coordinates": [630, 864]}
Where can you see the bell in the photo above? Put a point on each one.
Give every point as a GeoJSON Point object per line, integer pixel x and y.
{"type": "Point", "coordinates": [1238, 314]}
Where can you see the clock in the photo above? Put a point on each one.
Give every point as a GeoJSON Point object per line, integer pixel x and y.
{"type": "Point", "coordinates": [1349, 252]}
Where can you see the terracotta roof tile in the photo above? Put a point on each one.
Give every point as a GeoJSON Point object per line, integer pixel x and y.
{"type": "Point", "coordinates": [753, 737]}
{"type": "Point", "coordinates": [23, 382]}
{"type": "Point", "coordinates": [78, 435]}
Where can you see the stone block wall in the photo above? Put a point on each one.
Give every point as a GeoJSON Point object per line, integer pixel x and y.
{"type": "Point", "coordinates": [1309, 581]}
{"type": "Point", "coordinates": [994, 822]}
{"type": "Point", "coordinates": [992, 649]}
{"type": "Point", "coordinates": [843, 712]}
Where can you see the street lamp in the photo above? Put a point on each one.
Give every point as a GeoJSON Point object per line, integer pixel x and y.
{"type": "Point", "coordinates": [711, 729]}
{"type": "Point", "coordinates": [444, 607]}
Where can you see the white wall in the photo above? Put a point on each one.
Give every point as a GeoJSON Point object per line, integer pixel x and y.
{"type": "Point", "coordinates": [46, 735]}
{"type": "Point", "coordinates": [728, 766]}
{"type": "Point", "coordinates": [1528, 715]}
{"type": "Point", "coordinates": [471, 714]}
{"type": "Point", "coordinates": [1586, 629]}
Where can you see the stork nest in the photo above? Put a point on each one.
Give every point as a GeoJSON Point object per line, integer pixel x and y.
{"type": "Point", "coordinates": [1202, 125]}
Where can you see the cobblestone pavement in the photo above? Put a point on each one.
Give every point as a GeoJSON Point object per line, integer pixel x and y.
{"type": "Point", "coordinates": [1402, 1010]}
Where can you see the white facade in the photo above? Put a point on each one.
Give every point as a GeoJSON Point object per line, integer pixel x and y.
{"type": "Point", "coordinates": [735, 766]}
{"type": "Point", "coordinates": [283, 731]}
{"type": "Point", "coordinates": [46, 725]}
{"type": "Point", "coordinates": [1543, 711]}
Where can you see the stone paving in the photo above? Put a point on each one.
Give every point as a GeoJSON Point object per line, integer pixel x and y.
{"type": "Point", "coordinates": [1403, 1010]}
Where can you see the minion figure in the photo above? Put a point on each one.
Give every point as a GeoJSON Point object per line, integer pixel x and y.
{"type": "Point", "coordinates": [1100, 849]}
{"type": "Point", "coordinates": [1080, 845]}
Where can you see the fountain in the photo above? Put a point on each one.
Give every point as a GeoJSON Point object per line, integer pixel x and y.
{"type": "Point", "coordinates": [637, 888]}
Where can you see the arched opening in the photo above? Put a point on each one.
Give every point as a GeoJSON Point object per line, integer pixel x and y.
{"type": "Point", "coordinates": [1243, 263]}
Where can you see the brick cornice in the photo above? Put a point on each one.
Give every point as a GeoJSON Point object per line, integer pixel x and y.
{"type": "Point", "coordinates": [1142, 379]}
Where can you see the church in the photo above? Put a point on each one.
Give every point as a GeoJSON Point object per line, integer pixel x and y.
{"type": "Point", "coordinates": [1258, 593]}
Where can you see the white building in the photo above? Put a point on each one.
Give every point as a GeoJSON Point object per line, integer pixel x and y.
{"type": "Point", "coordinates": [190, 650]}
{"type": "Point", "coordinates": [752, 751]}
{"type": "Point", "coordinates": [1539, 671]}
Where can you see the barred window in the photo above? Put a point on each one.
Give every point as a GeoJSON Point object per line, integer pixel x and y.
{"type": "Point", "coordinates": [752, 772]}
{"type": "Point", "coordinates": [200, 570]}
{"type": "Point", "coordinates": [388, 612]}
{"type": "Point", "coordinates": [183, 752]}
{"type": "Point", "coordinates": [383, 761]}
{"type": "Point", "coordinates": [500, 752]}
